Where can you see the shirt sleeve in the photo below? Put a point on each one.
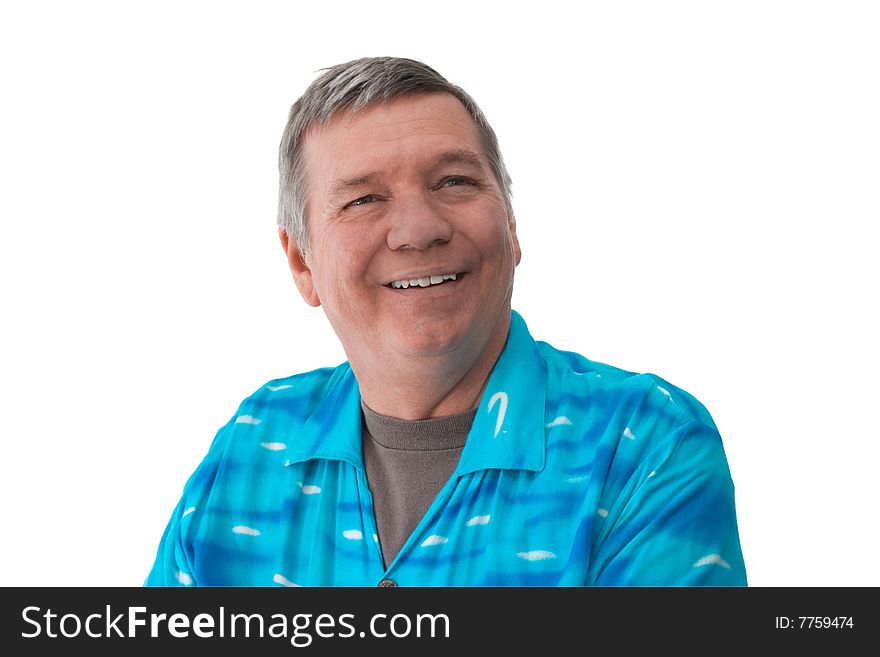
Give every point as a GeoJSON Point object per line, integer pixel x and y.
{"type": "Point", "coordinates": [673, 522]}
{"type": "Point", "coordinates": [175, 563]}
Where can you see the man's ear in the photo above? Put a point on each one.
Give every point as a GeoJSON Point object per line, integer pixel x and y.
{"type": "Point", "coordinates": [511, 224]}
{"type": "Point", "coordinates": [302, 274]}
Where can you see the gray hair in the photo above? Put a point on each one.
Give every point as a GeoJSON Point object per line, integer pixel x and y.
{"type": "Point", "coordinates": [354, 86]}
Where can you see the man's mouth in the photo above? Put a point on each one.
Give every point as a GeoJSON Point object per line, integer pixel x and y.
{"type": "Point", "coordinates": [422, 281]}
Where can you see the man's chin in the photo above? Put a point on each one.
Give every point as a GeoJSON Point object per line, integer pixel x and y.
{"type": "Point", "coordinates": [460, 332]}
{"type": "Point", "coordinates": [427, 345]}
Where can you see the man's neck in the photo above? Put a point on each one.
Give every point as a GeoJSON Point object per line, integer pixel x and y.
{"type": "Point", "coordinates": [421, 388]}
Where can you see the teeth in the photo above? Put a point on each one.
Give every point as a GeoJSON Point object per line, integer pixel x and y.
{"type": "Point", "coordinates": [423, 281]}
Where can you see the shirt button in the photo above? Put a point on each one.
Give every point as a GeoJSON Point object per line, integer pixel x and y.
{"type": "Point", "coordinates": [387, 582]}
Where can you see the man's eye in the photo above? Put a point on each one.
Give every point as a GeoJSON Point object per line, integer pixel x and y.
{"type": "Point", "coordinates": [455, 181]}
{"type": "Point", "coordinates": [363, 200]}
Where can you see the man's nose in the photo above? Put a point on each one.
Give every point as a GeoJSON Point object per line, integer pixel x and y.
{"type": "Point", "coordinates": [417, 224]}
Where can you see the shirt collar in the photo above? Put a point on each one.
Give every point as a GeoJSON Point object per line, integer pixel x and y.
{"type": "Point", "coordinates": [507, 432]}
{"type": "Point", "coordinates": [333, 430]}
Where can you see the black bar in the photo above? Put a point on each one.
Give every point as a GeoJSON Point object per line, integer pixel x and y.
{"type": "Point", "coordinates": [552, 620]}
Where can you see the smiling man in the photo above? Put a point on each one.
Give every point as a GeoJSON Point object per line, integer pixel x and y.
{"type": "Point", "coordinates": [411, 237]}
{"type": "Point", "coordinates": [451, 449]}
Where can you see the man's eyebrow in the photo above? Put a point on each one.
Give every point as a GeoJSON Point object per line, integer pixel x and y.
{"type": "Point", "coordinates": [460, 156]}
{"type": "Point", "coordinates": [343, 185]}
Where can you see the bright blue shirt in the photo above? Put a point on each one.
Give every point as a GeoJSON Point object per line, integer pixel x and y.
{"type": "Point", "coordinates": [574, 473]}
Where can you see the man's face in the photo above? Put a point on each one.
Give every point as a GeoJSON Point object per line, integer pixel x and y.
{"type": "Point", "coordinates": [401, 197]}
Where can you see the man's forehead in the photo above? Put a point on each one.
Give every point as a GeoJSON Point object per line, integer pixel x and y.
{"type": "Point", "coordinates": [427, 130]}
{"type": "Point", "coordinates": [407, 113]}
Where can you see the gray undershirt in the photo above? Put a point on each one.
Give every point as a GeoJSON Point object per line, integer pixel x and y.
{"type": "Point", "coordinates": [407, 463]}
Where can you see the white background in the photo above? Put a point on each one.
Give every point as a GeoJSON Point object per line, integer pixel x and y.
{"type": "Point", "coordinates": [696, 188]}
